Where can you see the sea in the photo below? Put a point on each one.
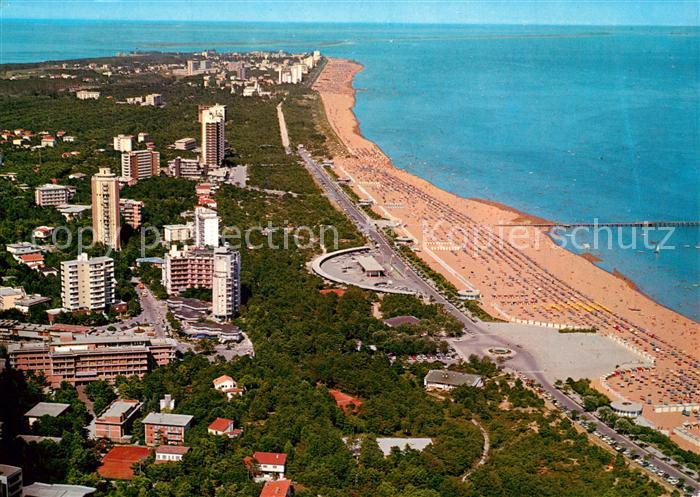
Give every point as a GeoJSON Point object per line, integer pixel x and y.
{"type": "Point", "coordinates": [575, 124]}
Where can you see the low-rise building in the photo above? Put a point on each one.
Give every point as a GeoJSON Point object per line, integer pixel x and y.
{"type": "Point", "coordinates": [10, 481]}
{"type": "Point", "coordinates": [185, 144]}
{"type": "Point", "coordinates": [173, 233]}
{"type": "Point", "coordinates": [267, 465]}
{"type": "Point", "coordinates": [42, 233]}
{"type": "Point", "coordinates": [33, 261]}
{"type": "Point", "coordinates": [9, 296]}
{"type": "Point", "coordinates": [170, 453]}
{"type": "Point", "coordinates": [223, 427]}
{"type": "Point", "coordinates": [444, 379]}
{"type": "Point", "coordinates": [167, 403]}
{"type": "Point", "coordinates": [74, 211]}
{"type": "Point", "coordinates": [166, 429]}
{"type": "Point", "coordinates": [51, 195]}
{"type": "Point", "coordinates": [154, 99]}
{"type": "Point", "coordinates": [52, 409]}
{"type": "Point", "coordinates": [278, 488]}
{"type": "Point", "coordinates": [626, 408]}
{"type": "Point", "coordinates": [228, 386]}
{"type": "Point", "coordinates": [87, 94]}
{"type": "Point", "coordinates": [38, 489]}
{"type": "Point", "coordinates": [87, 358]}
{"type": "Point", "coordinates": [26, 303]}
{"type": "Point", "coordinates": [116, 420]}
{"type": "Point", "coordinates": [186, 168]}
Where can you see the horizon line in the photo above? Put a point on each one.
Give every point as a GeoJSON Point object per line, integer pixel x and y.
{"type": "Point", "coordinates": [398, 23]}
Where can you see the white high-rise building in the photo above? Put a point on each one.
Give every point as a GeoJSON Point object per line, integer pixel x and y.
{"type": "Point", "coordinates": [213, 135]}
{"type": "Point", "coordinates": [123, 143]}
{"type": "Point", "coordinates": [106, 224]}
{"type": "Point", "coordinates": [206, 227]}
{"type": "Point", "coordinates": [87, 283]}
{"type": "Point", "coordinates": [226, 282]}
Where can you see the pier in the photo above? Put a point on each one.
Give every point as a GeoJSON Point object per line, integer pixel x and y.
{"type": "Point", "coordinates": [622, 224]}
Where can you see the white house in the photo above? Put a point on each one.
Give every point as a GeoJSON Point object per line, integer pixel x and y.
{"type": "Point", "coordinates": [170, 453]}
{"type": "Point", "coordinates": [268, 465]}
{"type": "Point", "coordinates": [228, 385]}
{"type": "Point", "coordinates": [223, 427]}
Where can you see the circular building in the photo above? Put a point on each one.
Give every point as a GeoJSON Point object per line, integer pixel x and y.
{"type": "Point", "coordinates": [626, 408]}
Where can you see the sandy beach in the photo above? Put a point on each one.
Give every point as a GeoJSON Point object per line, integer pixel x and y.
{"type": "Point", "coordinates": [522, 275]}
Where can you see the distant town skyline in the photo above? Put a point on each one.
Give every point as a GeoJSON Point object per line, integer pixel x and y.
{"type": "Point", "coordinates": [620, 12]}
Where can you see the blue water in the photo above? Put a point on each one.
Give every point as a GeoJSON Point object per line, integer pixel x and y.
{"type": "Point", "coordinates": [568, 123]}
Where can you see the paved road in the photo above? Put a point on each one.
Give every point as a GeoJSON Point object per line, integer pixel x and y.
{"type": "Point", "coordinates": [523, 362]}
{"type": "Point", "coordinates": [283, 130]}
{"type": "Point", "coordinates": [153, 312]}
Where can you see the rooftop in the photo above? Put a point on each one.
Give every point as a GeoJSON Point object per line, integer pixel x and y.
{"type": "Point", "coordinates": [160, 418]}
{"type": "Point", "coordinates": [172, 449]}
{"type": "Point", "coordinates": [52, 409]}
{"type": "Point", "coordinates": [369, 263]}
{"type": "Point", "coordinates": [222, 379]}
{"type": "Point", "coordinates": [401, 321]}
{"type": "Point", "coordinates": [452, 378]}
{"type": "Point", "coordinates": [279, 488]}
{"type": "Point", "coordinates": [271, 458]}
{"type": "Point", "coordinates": [7, 470]}
{"type": "Point", "coordinates": [220, 424]}
{"type": "Point", "coordinates": [38, 438]}
{"type": "Point", "coordinates": [386, 444]}
{"type": "Point", "coordinates": [56, 490]}
{"type": "Point", "coordinates": [118, 408]}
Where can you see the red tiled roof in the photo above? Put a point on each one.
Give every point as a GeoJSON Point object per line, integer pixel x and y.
{"type": "Point", "coordinates": [220, 424]}
{"type": "Point", "coordinates": [222, 378]}
{"type": "Point", "coordinates": [270, 458]}
{"type": "Point", "coordinates": [279, 488]}
{"type": "Point", "coordinates": [172, 449]}
{"type": "Point", "coordinates": [338, 291]}
{"type": "Point", "coordinates": [118, 461]}
{"type": "Point", "coordinates": [31, 257]}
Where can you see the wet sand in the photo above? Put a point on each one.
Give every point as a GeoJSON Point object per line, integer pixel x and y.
{"type": "Point", "coordinates": [523, 276]}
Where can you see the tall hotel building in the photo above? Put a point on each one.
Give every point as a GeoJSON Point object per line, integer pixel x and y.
{"type": "Point", "coordinates": [213, 135]}
{"type": "Point", "coordinates": [87, 283]}
{"type": "Point", "coordinates": [187, 268]}
{"type": "Point", "coordinates": [105, 208]}
{"type": "Point", "coordinates": [219, 270]}
{"type": "Point", "coordinates": [225, 283]}
{"type": "Point", "coordinates": [206, 227]}
{"type": "Point", "coordinates": [140, 164]}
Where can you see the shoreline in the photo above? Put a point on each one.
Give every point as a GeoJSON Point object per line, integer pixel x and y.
{"type": "Point", "coordinates": [538, 281]}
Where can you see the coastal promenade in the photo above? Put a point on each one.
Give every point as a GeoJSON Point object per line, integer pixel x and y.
{"type": "Point", "coordinates": [532, 280]}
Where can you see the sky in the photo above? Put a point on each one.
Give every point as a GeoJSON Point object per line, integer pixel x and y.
{"type": "Point", "coordinates": [587, 12]}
